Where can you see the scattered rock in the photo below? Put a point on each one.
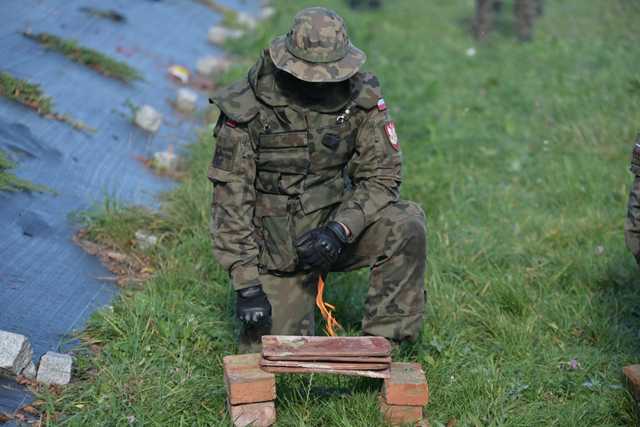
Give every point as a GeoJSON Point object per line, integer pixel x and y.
{"type": "Point", "coordinates": [209, 66]}
{"type": "Point", "coordinates": [54, 368]}
{"type": "Point", "coordinates": [179, 73]}
{"type": "Point", "coordinates": [148, 118]}
{"type": "Point", "coordinates": [186, 100]}
{"type": "Point", "coordinates": [267, 12]}
{"type": "Point", "coordinates": [247, 20]}
{"type": "Point", "coordinates": [599, 250]}
{"type": "Point", "coordinates": [165, 160]}
{"type": "Point", "coordinates": [30, 371]}
{"type": "Point", "coordinates": [15, 353]}
{"type": "Point", "coordinates": [218, 35]}
{"type": "Point", "coordinates": [145, 241]}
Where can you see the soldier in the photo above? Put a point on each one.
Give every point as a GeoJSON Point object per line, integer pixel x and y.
{"type": "Point", "coordinates": [632, 224]}
{"type": "Point", "coordinates": [306, 178]}
{"type": "Point", "coordinates": [525, 12]}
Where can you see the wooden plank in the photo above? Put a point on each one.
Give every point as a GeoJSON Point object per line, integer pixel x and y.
{"type": "Point", "coordinates": [371, 374]}
{"type": "Point", "coordinates": [326, 365]}
{"type": "Point", "coordinates": [361, 359]}
{"type": "Point", "coordinates": [283, 346]}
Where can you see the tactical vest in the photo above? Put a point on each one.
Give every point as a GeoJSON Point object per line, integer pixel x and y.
{"type": "Point", "coordinates": [301, 154]}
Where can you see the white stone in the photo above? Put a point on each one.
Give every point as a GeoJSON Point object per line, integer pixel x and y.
{"type": "Point", "coordinates": [148, 118]}
{"type": "Point", "coordinates": [165, 160]}
{"type": "Point", "coordinates": [267, 12]}
{"type": "Point", "coordinates": [247, 20]}
{"type": "Point", "coordinates": [186, 100]}
{"type": "Point", "coordinates": [209, 66]}
{"type": "Point", "coordinates": [218, 35]}
{"type": "Point", "coordinates": [15, 353]}
{"type": "Point", "coordinates": [145, 241]}
{"type": "Point", "coordinates": [30, 371]}
{"type": "Point", "coordinates": [54, 368]}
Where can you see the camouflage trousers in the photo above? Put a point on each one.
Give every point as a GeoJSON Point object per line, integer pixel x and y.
{"type": "Point", "coordinates": [394, 249]}
{"type": "Point", "coordinates": [525, 12]}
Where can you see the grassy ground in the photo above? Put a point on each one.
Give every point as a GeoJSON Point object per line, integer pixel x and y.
{"type": "Point", "coordinates": [91, 58]}
{"type": "Point", "coordinates": [519, 156]}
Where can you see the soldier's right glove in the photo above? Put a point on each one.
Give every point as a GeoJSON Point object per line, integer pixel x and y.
{"type": "Point", "coordinates": [252, 305]}
{"type": "Point", "coordinates": [320, 248]}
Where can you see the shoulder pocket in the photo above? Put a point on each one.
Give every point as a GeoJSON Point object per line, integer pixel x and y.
{"type": "Point", "coordinates": [228, 146]}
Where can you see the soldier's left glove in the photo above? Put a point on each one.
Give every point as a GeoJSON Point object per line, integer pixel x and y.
{"type": "Point", "coordinates": [321, 247]}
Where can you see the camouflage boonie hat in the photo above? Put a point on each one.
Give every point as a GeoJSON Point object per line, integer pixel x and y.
{"type": "Point", "coordinates": [317, 48]}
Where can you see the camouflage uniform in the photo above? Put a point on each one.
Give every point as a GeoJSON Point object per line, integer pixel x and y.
{"type": "Point", "coordinates": [525, 12]}
{"type": "Point", "coordinates": [286, 163]}
{"type": "Point", "coordinates": [632, 224]}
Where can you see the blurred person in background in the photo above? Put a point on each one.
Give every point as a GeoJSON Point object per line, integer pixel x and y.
{"type": "Point", "coordinates": [632, 223]}
{"type": "Point", "coordinates": [525, 11]}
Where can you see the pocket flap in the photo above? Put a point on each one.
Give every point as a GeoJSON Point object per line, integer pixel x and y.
{"type": "Point", "coordinates": [284, 140]}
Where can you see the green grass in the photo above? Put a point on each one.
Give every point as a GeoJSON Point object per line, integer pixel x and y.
{"type": "Point", "coordinates": [91, 58]}
{"type": "Point", "coordinates": [31, 96]}
{"type": "Point", "coordinates": [25, 93]}
{"type": "Point", "coordinates": [519, 156]}
{"type": "Point", "coordinates": [11, 183]}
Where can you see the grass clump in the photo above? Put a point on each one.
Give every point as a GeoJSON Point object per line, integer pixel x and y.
{"type": "Point", "coordinates": [89, 57]}
{"type": "Point", "coordinates": [25, 93]}
{"type": "Point", "coordinates": [519, 156]}
{"type": "Point", "coordinates": [11, 183]}
{"type": "Point", "coordinates": [31, 96]}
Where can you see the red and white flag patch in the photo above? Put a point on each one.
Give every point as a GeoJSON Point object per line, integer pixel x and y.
{"type": "Point", "coordinates": [392, 136]}
{"type": "Point", "coordinates": [382, 106]}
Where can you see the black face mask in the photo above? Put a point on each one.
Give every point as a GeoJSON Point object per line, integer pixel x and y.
{"type": "Point", "coordinates": [312, 93]}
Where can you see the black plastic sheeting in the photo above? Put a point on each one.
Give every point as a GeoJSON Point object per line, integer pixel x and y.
{"type": "Point", "coordinates": [48, 285]}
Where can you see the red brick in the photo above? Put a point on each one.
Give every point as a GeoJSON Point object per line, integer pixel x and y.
{"type": "Point", "coordinates": [407, 385]}
{"type": "Point", "coordinates": [400, 414]}
{"type": "Point", "coordinates": [632, 372]}
{"type": "Point", "coordinates": [246, 382]}
{"type": "Point", "coordinates": [261, 414]}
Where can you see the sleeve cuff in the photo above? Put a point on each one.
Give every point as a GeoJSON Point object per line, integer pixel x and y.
{"type": "Point", "coordinates": [245, 276]}
{"type": "Point", "coordinates": [354, 219]}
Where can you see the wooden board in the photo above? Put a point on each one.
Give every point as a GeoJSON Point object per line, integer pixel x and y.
{"type": "Point", "coordinates": [285, 346]}
{"type": "Point", "coordinates": [371, 374]}
{"type": "Point", "coordinates": [361, 359]}
{"type": "Point", "coordinates": [326, 365]}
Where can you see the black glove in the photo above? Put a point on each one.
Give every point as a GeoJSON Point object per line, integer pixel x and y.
{"type": "Point", "coordinates": [252, 305]}
{"type": "Point", "coordinates": [320, 248]}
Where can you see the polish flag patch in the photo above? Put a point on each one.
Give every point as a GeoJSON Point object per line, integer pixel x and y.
{"type": "Point", "coordinates": [392, 136]}
{"type": "Point", "coordinates": [231, 123]}
{"type": "Point", "coordinates": [382, 106]}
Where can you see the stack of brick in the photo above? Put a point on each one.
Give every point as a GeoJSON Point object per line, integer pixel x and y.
{"type": "Point", "coordinates": [251, 391]}
{"type": "Point", "coordinates": [404, 394]}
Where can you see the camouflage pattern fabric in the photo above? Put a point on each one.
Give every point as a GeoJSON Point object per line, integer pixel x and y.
{"type": "Point", "coordinates": [525, 12]}
{"type": "Point", "coordinates": [317, 49]}
{"type": "Point", "coordinates": [284, 165]}
{"type": "Point", "coordinates": [394, 249]}
{"type": "Point", "coordinates": [632, 223]}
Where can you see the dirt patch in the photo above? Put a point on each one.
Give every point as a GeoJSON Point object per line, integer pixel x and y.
{"type": "Point", "coordinates": [130, 269]}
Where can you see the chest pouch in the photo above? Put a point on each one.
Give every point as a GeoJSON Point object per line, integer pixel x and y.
{"type": "Point", "coordinates": [282, 162]}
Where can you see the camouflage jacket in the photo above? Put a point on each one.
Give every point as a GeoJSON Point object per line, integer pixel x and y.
{"type": "Point", "coordinates": [280, 169]}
